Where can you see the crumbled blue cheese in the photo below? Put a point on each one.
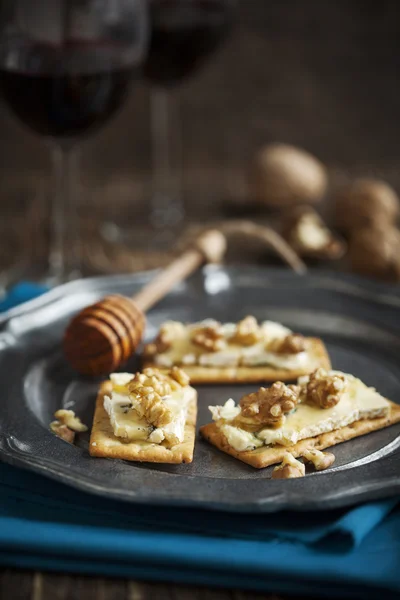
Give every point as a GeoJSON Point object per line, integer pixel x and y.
{"type": "Point", "coordinates": [255, 356]}
{"type": "Point", "coordinates": [125, 421]}
{"type": "Point", "coordinates": [128, 425]}
{"type": "Point", "coordinates": [183, 351]}
{"type": "Point", "coordinates": [358, 402]}
{"type": "Point", "coordinates": [121, 379]}
{"type": "Point", "coordinates": [227, 412]}
{"type": "Point", "coordinates": [239, 439]}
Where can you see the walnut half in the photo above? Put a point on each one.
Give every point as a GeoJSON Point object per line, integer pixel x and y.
{"type": "Point", "coordinates": [149, 388]}
{"type": "Point", "coordinates": [62, 431]}
{"type": "Point", "coordinates": [293, 343]}
{"type": "Point", "coordinates": [163, 341]}
{"type": "Point", "coordinates": [320, 460]}
{"type": "Point", "coordinates": [66, 425]}
{"type": "Point", "coordinates": [209, 337]}
{"type": "Point", "coordinates": [180, 376]}
{"type": "Point", "coordinates": [151, 407]}
{"type": "Point", "coordinates": [68, 418]}
{"type": "Point", "coordinates": [325, 389]}
{"type": "Point", "coordinates": [268, 406]}
{"type": "Point", "coordinates": [247, 333]}
{"type": "Point", "coordinates": [289, 468]}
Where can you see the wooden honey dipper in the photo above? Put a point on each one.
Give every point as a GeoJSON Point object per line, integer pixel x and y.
{"type": "Point", "coordinates": [104, 335]}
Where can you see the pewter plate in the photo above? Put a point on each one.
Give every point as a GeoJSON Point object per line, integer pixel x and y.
{"type": "Point", "coordinates": [359, 321]}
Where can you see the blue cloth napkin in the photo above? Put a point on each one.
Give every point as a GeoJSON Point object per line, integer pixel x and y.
{"type": "Point", "coordinates": [354, 553]}
{"type": "Point", "coordinates": [22, 292]}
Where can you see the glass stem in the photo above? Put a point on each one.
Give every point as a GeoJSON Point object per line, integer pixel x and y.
{"type": "Point", "coordinates": [64, 223]}
{"type": "Point", "coordinates": [167, 203]}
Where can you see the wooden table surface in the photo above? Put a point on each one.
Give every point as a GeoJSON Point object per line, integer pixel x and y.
{"type": "Point", "coordinates": [24, 585]}
{"type": "Point", "coordinates": [321, 75]}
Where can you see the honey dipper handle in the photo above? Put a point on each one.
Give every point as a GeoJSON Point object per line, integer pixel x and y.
{"type": "Point", "coordinates": [209, 247]}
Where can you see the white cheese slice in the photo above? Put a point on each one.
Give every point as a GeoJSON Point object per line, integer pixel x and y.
{"type": "Point", "coordinates": [228, 329]}
{"type": "Point", "coordinates": [255, 356]}
{"type": "Point", "coordinates": [127, 423]}
{"type": "Point", "coordinates": [359, 402]}
{"type": "Point", "coordinates": [121, 379]}
{"type": "Point", "coordinates": [184, 352]}
{"type": "Point", "coordinates": [119, 382]}
{"type": "Point", "coordinates": [229, 357]}
{"type": "Point", "coordinates": [228, 412]}
{"type": "Point", "coordinates": [274, 331]}
{"type": "Point", "coordinates": [189, 359]}
{"type": "Point", "coordinates": [157, 436]}
{"type": "Point", "coordinates": [163, 360]}
{"type": "Point", "coordinates": [239, 439]}
{"type": "Point", "coordinates": [174, 432]}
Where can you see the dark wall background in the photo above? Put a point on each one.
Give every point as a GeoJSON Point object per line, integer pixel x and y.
{"type": "Point", "coordinates": [322, 74]}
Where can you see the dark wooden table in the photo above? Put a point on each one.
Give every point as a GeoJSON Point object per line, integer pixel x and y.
{"type": "Point", "coordinates": [24, 585]}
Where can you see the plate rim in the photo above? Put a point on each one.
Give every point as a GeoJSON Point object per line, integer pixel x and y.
{"type": "Point", "coordinates": [370, 290]}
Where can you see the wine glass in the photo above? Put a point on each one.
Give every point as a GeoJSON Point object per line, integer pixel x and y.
{"type": "Point", "coordinates": [183, 34]}
{"type": "Point", "coordinates": [65, 69]}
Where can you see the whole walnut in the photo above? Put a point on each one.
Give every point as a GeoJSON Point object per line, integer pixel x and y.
{"type": "Point", "coordinates": [375, 252]}
{"type": "Point", "coordinates": [366, 203]}
{"type": "Point", "coordinates": [282, 175]}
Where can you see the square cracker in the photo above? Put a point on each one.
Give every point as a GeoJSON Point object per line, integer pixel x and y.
{"type": "Point", "coordinates": [199, 374]}
{"type": "Point", "coordinates": [105, 444]}
{"type": "Point", "coordinates": [266, 456]}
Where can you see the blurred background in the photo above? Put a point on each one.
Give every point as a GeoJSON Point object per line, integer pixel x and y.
{"type": "Point", "coordinates": [321, 76]}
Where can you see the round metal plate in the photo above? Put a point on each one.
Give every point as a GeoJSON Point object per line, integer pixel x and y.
{"type": "Point", "coordinates": [358, 320]}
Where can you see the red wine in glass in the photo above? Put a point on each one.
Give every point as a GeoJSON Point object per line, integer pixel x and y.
{"type": "Point", "coordinates": [67, 103]}
{"type": "Point", "coordinates": [183, 34]}
{"type": "Point", "coordinates": [65, 69]}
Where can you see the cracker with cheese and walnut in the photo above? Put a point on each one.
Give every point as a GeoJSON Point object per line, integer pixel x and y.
{"type": "Point", "coordinates": [281, 423]}
{"type": "Point", "coordinates": [247, 351]}
{"type": "Point", "coordinates": [146, 417]}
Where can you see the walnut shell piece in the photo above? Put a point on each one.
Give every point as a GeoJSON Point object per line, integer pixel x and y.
{"type": "Point", "coordinates": [283, 175]}
{"type": "Point", "coordinates": [325, 389]}
{"type": "Point", "coordinates": [268, 406]}
{"type": "Point", "coordinates": [320, 460]}
{"type": "Point", "coordinates": [62, 431]}
{"type": "Point", "coordinates": [293, 343]}
{"type": "Point", "coordinates": [151, 378]}
{"type": "Point", "coordinates": [150, 406]}
{"type": "Point", "coordinates": [149, 388]}
{"type": "Point", "coordinates": [164, 339]}
{"type": "Point", "coordinates": [309, 236]}
{"type": "Point", "coordinates": [290, 468]}
{"type": "Point", "coordinates": [248, 332]}
{"type": "Point", "coordinates": [375, 252]}
{"type": "Point", "coordinates": [68, 418]}
{"type": "Point", "coordinates": [180, 376]}
{"type": "Point", "coordinates": [366, 203]}
{"type": "Point", "coordinates": [209, 337]}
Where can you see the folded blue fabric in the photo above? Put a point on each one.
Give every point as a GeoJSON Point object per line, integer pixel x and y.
{"type": "Point", "coordinates": [47, 525]}
{"type": "Point", "coordinates": [30, 496]}
{"type": "Point", "coordinates": [22, 292]}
